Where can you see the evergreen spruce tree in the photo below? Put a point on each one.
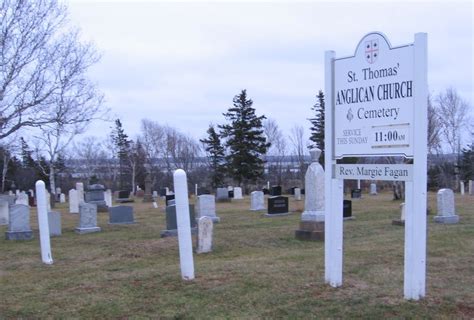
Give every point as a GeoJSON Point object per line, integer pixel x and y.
{"type": "Point", "coordinates": [216, 155]}
{"type": "Point", "coordinates": [123, 148]}
{"type": "Point", "coordinates": [245, 139]}
{"type": "Point", "coordinates": [317, 125]}
{"type": "Point", "coordinates": [466, 165]}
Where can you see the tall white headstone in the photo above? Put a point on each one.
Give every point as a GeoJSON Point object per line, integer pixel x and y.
{"type": "Point", "coordinates": [238, 193]}
{"type": "Point", "coordinates": [446, 207]}
{"type": "Point", "coordinates": [471, 190]}
{"type": "Point", "coordinates": [62, 198]}
{"type": "Point", "coordinates": [373, 189]}
{"type": "Point", "coordinates": [461, 187]}
{"type": "Point", "coordinates": [108, 197]}
{"type": "Point", "coordinates": [314, 190]}
{"type": "Point", "coordinates": [205, 233]}
{"type": "Point", "coordinates": [43, 224]}
{"type": "Point", "coordinates": [257, 201]}
{"type": "Point", "coordinates": [80, 192]}
{"type": "Point", "coordinates": [73, 201]}
{"type": "Point", "coordinates": [22, 198]}
{"type": "Point", "coordinates": [184, 225]}
{"type": "Point", "coordinates": [297, 194]}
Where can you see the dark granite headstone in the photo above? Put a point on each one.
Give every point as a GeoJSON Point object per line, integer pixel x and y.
{"type": "Point", "coordinates": [266, 191]}
{"type": "Point", "coordinates": [162, 192]}
{"type": "Point", "coordinates": [31, 201]}
{"type": "Point", "coordinates": [95, 195]}
{"type": "Point", "coordinates": [356, 193]}
{"type": "Point", "coordinates": [347, 209]}
{"type": "Point", "coordinates": [168, 198]}
{"type": "Point", "coordinates": [123, 197]}
{"type": "Point", "coordinates": [302, 191]}
{"type": "Point", "coordinates": [231, 194]}
{"type": "Point", "coordinates": [276, 191]}
{"type": "Point", "coordinates": [121, 215]}
{"type": "Point", "coordinates": [277, 205]}
{"type": "Point", "coordinates": [172, 224]}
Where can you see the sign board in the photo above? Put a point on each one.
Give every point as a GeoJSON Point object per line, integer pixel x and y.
{"type": "Point", "coordinates": [373, 100]}
{"type": "Point", "coordinates": [389, 172]}
{"type": "Point", "coordinates": [377, 106]}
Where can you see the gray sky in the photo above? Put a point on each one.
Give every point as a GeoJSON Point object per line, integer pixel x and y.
{"type": "Point", "coordinates": [182, 63]}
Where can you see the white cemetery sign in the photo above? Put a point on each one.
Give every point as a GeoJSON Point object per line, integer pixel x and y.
{"type": "Point", "coordinates": [376, 106]}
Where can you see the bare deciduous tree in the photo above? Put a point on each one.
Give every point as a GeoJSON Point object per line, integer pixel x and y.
{"type": "Point", "coordinates": [298, 143]}
{"type": "Point", "coordinates": [453, 118]}
{"type": "Point", "coordinates": [42, 62]}
{"type": "Point", "coordinates": [434, 142]}
{"type": "Point", "coordinates": [277, 148]}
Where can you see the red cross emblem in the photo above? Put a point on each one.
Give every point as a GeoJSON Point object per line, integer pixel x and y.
{"type": "Point", "coordinates": [371, 50]}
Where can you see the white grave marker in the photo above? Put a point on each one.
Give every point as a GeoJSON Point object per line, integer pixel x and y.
{"type": "Point", "coordinates": [43, 224]}
{"type": "Point", "coordinates": [184, 225]}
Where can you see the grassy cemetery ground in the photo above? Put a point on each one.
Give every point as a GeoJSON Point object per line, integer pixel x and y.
{"type": "Point", "coordinates": [257, 269]}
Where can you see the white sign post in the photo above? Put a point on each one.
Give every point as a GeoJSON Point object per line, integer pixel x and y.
{"type": "Point", "coordinates": [377, 106]}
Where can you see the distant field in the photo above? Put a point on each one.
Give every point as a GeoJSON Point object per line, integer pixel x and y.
{"type": "Point", "coordinates": [257, 269]}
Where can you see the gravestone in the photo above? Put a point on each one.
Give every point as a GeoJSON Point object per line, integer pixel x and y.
{"type": "Point", "coordinates": [54, 222]}
{"type": "Point", "coordinates": [171, 202]}
{"type": "Point", "coordinates": [124, 197]}
{"type": "Point", "coordinates": [461, 187]}
{"type": "Point", "coordinates": [87, 218]}
{"type": "Point", "coordinates": [277, 205]}
{"type": "Point", "coordinates": [73, 201]}
{"type": "Point", "coordinates": [206, 207]}
{"type": "Point", "coordinates": [222, 195]}
{"type": "Point", "coordinates": [121, 215]}
{"type": "Point", "coordinates": [446, 207]}
{"type": "Point", "coordinates": [31, 192]}
{"type": "Point", "coordinates": [314, 186]}
{"type": "Point", "coordinates": [19, 223]}
{"type": "Point", "coordinates": [95, 195]}
{"type": "Point", "coordinates": [373, 189]}
{"type": "Point", "coordinates": [266, 191]}
{"type": "Point", "coordinates": [311, 226]}
{"type": "Point", "coordinates": [31, 201]}
{"type": "Point", "coordinates": [356, 193]}
{"type": "Point", "coordinates": [257, 201]}
{"type": "Point", "coordinates": [62, 198]}
{"type": "Point", "coordinates": [168, 198]}
{"type": "Point", "coordinates": [230, 193]}
{"type": "Point", "coordinates": [275, 191]}
{"type": "Point", "coordinates": [471, 188]}
{"type": "Point", "coordinates": [4, 212]}
{"type": "Point", "coordinates": [171, 222]}
{"type": "Point", "coordinates": [7, 198]}
{"type": "Point", "coordinates": [148, 197]}
{"type": "Point", "coordinates": [347, 210]}
{"type": "Point", "coordinates": [205, 233]}
{"type": "Point", "coordinates": [155, 205]}
{"type": "Point", "coordinates": [49, 203]}
{"type": "Point", "coordinates": [297, 192]}
{"type": "Point", "coordinates": [163, 192]}
{"type": "Point", "coordinates": [108, 197]}
{"type": "Point", "coordinates": [22, 198]}
{"type": "Point", "coordinates": [238, 193]}
{"type": "Point", "coordinates": [155, 194]}
{"type": "Point", "coordinates": [80, 192]}
{"type": "Point", "coordinates": [401, 221]}
{"type": "Point", "coordinates": [310, 231]}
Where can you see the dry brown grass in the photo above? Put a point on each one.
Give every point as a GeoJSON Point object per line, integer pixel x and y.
{"type": "Point", "coordinates": [257, 269]}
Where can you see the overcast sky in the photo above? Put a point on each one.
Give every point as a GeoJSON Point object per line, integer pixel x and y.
{"type": "Point", "coordinates": [182, 63]}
